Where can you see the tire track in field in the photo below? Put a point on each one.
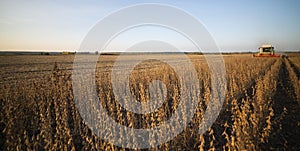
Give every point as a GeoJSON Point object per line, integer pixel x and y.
{"type": "Point", "coordinates": [285, 133]}
{"type": "Point", "coordinates": [294, 67]}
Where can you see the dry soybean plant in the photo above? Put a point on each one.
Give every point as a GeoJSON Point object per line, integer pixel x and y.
{"type": "Point", "coordinates": [39, 112]}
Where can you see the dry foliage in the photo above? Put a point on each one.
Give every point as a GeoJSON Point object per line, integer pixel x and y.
{"type": "Point", "coordinates": [38, 111]}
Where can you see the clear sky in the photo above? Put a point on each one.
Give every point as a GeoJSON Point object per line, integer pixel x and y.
{"type": "Point", "coordinates": [235, 25]}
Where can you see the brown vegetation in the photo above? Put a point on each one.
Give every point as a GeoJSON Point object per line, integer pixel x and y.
{"type": "Point", "coordinates": [260, 111]}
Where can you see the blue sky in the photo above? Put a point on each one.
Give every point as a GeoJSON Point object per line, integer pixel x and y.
{"type": "Point", "coordinates": [235, 25]}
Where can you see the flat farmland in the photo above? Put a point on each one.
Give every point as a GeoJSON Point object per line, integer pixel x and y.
{"type": "Point", "coordinates": [260, 109]}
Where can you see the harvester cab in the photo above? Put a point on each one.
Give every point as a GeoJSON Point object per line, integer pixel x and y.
{"type": "Point", "coordinates": [266, 51]}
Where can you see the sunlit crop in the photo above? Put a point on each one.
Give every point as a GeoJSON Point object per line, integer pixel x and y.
{"type": "Point", "coordinates": [38, 111]}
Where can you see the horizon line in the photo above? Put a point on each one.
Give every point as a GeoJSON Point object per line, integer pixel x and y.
{"type": "Point", "coordinates": [111, 51]}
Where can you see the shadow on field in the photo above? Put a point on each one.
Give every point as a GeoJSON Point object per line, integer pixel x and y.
{"type": "Point", "coordinates": [286, 131]}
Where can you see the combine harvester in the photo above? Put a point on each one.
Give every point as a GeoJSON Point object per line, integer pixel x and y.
{"type": "Point", "coordinates": [266, 51]}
